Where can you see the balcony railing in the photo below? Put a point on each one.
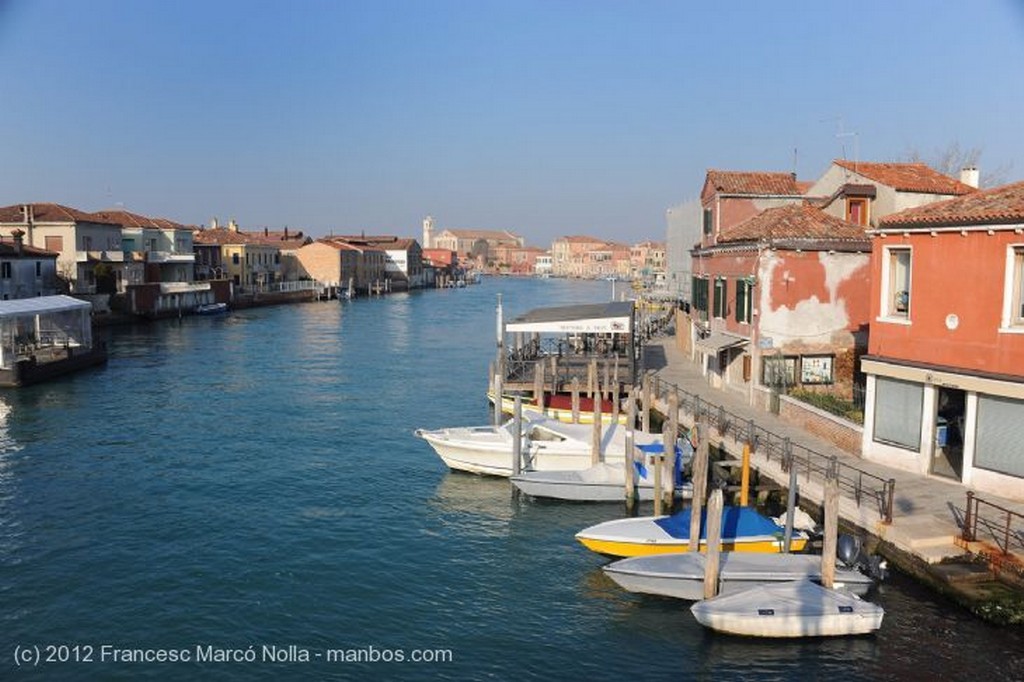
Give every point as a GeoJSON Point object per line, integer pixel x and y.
{"type": "Point", "coordinates": [103, 256]}
{"type": "Point", "coordinates": [170, 257]}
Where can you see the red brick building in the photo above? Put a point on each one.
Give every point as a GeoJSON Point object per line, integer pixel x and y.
{"type": "Point", "coordinates": [782, 301]}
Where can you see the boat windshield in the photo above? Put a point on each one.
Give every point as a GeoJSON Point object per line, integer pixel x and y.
{"type": "Point", "coordinates": [539, 433]}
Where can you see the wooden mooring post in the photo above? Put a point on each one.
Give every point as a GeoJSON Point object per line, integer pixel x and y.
{"type": "Point", "coordinates": [517, 436]}
{"type": "Point", "coordinates": [831, 537]}
{"type": "Point", "coordinates": [700, 482]}
{"type": "Point", "coordinates": [714, 540]}
{"type": "Point", "coordinates": [787, 538]}
{"type": "Point", "coordinates": [538, 384]}
{"type": "Point", "coordinates": [670, 432]}
{"type": "Point", "coordinates": [630, 469]}
{"type": "Point", "coordinates": [499, 377]}
{"type": "Point", "coordinates": [575, 400]}
{"type": "Point", "coordinates": [595, 446]}
{"type": "Point", "coordinates": [645, 405]}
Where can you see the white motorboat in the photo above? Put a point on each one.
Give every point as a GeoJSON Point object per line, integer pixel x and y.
{"type": "Point", "coordinates": [606, 482]}
{"type": "Point", "coordinates": [794, 609]}
{"type": "Point", "coordinates": [600, 483]}
{"type": "Point", "coordinates": [682, 575]}
{"type": "Point", "coordinates": [547, 445]}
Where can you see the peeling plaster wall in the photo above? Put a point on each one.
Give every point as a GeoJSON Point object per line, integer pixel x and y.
{"type": "Point", "coordinates": [815, 303]}
{"type": "Point", "coordinates": [805, 298]}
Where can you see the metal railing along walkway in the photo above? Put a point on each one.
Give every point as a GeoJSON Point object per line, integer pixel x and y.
{"type": "Point", "coordinates": [986, 521]}
{"type": "Point", "coordinates": [863, 486]}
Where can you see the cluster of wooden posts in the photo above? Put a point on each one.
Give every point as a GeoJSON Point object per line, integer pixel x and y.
{"type": "Point", "coordinates": [663, 464]}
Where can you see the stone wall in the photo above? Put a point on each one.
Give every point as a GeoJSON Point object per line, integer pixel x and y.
{"type": "Point", "coordinates": [836, 430]}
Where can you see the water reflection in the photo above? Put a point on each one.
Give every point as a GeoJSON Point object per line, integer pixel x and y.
{"type": "Point", "coordinates": [398, 313]}
{"type": "Point", "coordinates": [8, 443]}
{"type": "Point", "coordinates": [10, 528]}
{"type": "Point", "coordinates": [470, 504]}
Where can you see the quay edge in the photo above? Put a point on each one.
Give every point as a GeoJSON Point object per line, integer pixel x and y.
{"type": "Point", "coordinates": [919, 549]}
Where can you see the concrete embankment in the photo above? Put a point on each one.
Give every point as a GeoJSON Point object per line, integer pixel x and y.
{"type": "Point", "coordinates": [922, 536]}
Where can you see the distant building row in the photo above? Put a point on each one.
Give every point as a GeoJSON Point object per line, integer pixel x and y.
{"type": "Point", "coordinates": [572, 256]}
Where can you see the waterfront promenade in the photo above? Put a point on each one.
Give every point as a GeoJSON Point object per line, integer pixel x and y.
{"type": "Point", "coordinates": [927, 511]}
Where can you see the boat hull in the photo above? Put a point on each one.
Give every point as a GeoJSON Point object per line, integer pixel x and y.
{"type": "Point", "coordinates": [604, 483]}
{"type": "Point", "coordinates": [619, 548]}
{"type": "Point", "coordinates": [786, 610]}
{"type": "Point", "coordinates": [682, 575]}
{"type": "Point", "coordinates": [487, 450]}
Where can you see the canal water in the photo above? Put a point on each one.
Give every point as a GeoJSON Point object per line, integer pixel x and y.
{"type": "Point", "coordinates": [249, 487]}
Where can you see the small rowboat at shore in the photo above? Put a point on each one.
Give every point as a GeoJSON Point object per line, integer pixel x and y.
{"type": "Point", "coordinates": [743, 530]}
{"type": "Point", "coordinates": [211, 308]}
{"type": "Point", "coordinates": [682, 575]}
{"type": "Point", "coordinates": [795, 609]}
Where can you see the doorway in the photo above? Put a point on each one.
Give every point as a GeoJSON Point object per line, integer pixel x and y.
{"type": "Point", "coordinates": [948, 457]}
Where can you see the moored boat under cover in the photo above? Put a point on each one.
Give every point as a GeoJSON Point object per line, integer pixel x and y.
{"type": "Point", "coordinates": [794, 609]}
{"type": "Point", "coordinates": [602, 482]}
{"type": "Point", "coordinates": [682, 575]}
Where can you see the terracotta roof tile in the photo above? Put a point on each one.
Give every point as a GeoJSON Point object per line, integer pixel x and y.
{"type": "Point", "coordinates": [754, 182]}
{"type": "Point", "coordinates": [129, 219]}
{"type": "Point", "coordinates": [907, 177]}
{"type": "Point", "coordinates": [795, 221]}
{"type": "Point", "coordinates": [988, 207]}
{"type": "Point", "coordinates": [9, 249]}
{"type": "Point", "coordinates": [222, 236]}
{"type": "Point", "coordinates": [50, 213]}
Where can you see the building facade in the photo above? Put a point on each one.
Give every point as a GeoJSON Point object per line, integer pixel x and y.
{"type": "Point", "coordinates": [249, 261]}
{"type": "Point", "coordinates": [88, 247]}
{"type": "Point", "coordinates": [780, 301]}
{"type": "Point", "coordinates": [945, 367]}
{"type": "Point", "coordinates": [25, 271]}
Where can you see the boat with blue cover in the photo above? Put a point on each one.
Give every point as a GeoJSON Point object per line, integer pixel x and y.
{"type": "Point", "coordinates": [744, 529]}
{"type": "Point", "coordinates": [606, 482]}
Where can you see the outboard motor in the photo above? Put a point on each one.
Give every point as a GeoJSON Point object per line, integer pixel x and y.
{"type": "Point", "coordinates": [849, 550]}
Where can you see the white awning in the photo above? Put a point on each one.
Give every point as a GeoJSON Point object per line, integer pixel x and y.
{"type": "Point", "coordinates": [40, 305]}
{"type": "Point", "coordinates": [719, 341]}
{"type": "Point", "coordinates": [603, 318]}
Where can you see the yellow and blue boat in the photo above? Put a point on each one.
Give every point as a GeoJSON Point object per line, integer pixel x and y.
{"type": "Point", "coordinates": [743, 530]}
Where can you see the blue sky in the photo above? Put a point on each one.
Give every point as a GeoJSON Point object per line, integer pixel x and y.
{"type": "Point", "coordinates": [546, 118]}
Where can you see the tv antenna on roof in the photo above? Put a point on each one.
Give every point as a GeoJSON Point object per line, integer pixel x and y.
{"type": "Point", "coordinates": [842, 133]}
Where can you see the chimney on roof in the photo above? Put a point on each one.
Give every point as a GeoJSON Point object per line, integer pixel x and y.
{"type": "Point", "coordinates": [232, 225]}
{"type": "Point", "coordinates": [214, 224]}
{"type": "Point", "coordinates": [286, 232]}
{"type": "Point", "coordinates": [19, 244]}
{"type": "Point", "coordinates": [266, 231]}
{"type": "Point", "coordinates": [969, 175]}
{"type": "Point", "coordinates": [29, 214]}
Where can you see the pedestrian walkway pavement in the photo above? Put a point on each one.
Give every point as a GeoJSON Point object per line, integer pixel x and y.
{"type": "Point", "coordinates": [927, 511]}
